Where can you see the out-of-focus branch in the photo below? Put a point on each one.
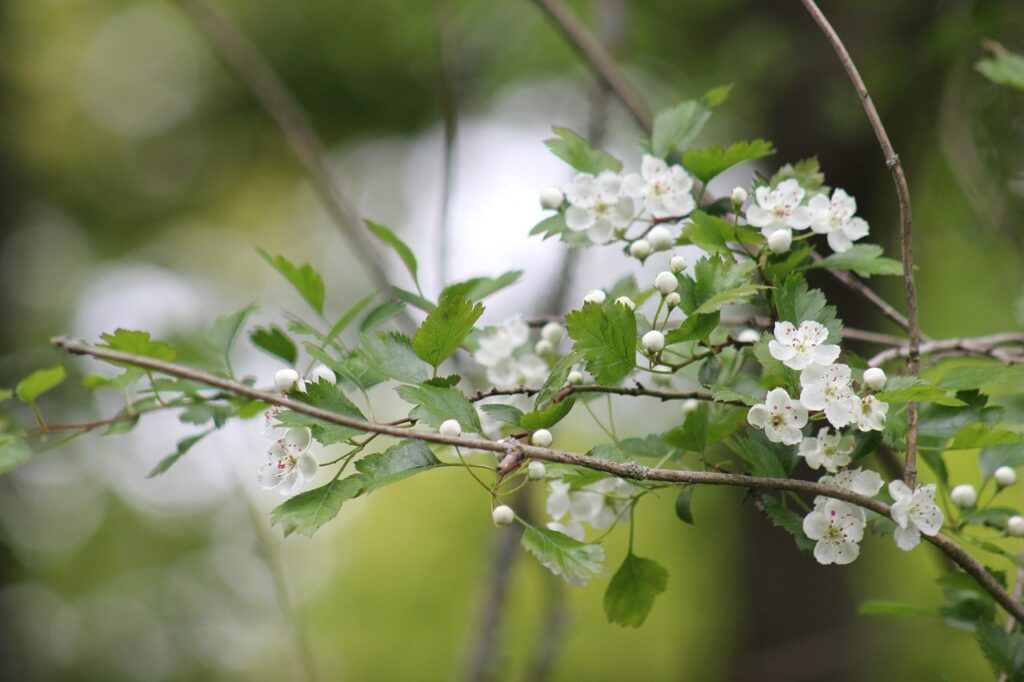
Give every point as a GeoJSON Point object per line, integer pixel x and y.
{"type": "Point", "coordinates": [635, 391]}
{"type": "Point", "coordinates": [993, 345]}
{"type": "Point", "coordinates": [449, 106]}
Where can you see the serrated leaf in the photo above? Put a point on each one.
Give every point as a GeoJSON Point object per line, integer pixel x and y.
{"type": "Point", "coordinates": [717, 282]}
{"type": "Point", "coordinates": [706, 163]}
{"type": "Point", "coordinates": [304, 278]}
{"type": "Point", "coordinates": [575, 561]}
{"type": "Point", "coordinates": [404, 252]}
{"type": "Point", "coordinates": [326, 396]}
{"type": "Point", "coordinates": [795, 303]}
{"type": "Point", "coordinates": [726, 394]}
{"type": "Point", "coordinates": [547, 417]}
{"type": "Point", "coordinates": [307, 512]}
{"type": "Point", "coordinates": [788, 520]}
{"type": "Point", "coordinates": [14, 451]}
{"type": "Point", "coordinates": [39, 382]}
{"type": "Point", "coordinates": [767, 459]}
{"type": "Point", "coordinates": [974, 436]}
{"type": "Point", "coordinates": [631, 593]}
{"type": "Point", "coordinates": [392, 355]}
{"type": "Point", "coordinates": [692, 436]}
{"type": "Point", "coordinates": [911, 390]}
{"type": "Point", "coordinates": [184, 445]}
{"type": "Point", "coordinates": [577, 152]}
{"type": "Point", "coordinates": [1004, 651]}
{"type": "Point", "coordinates": [274, 341]}
{"type": "Point", "coordinates": [478, 288]}
{"type": "Point", "coordinates": [435, 404]}
{"type": "Point", "coordinates": [696, 327]}
{"type": "Point", "coordinates": [807, 173]}
{"type": "Point", "coordinates": [677, 127]}
{"type": "Point", "coordinates": [445, 329]}
{"type": "Point", "coordinates": [683, 504]}
{"type": "Point", "coordinates": [557, 378]}
{"type": "Point", "coordinates": [397, 462]}
{"type": "Point", "coordinates": [137, 343]}
{"type": "Point", "coordinates": [508, 414]}
{"type": "Point", "coordinates": [864, 259]}
{"type": "Point", "coordinates": [606, 338]}
{"type": "Point", "coordinates": [969, 378]}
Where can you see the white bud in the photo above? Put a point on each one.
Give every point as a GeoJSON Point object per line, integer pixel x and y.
{"type": "Point", "coordinates": [503, 515]}
{"type": "Point", "coordinates": [323, 373]}
{"type": "Point", "coordinates": [450, 427]}
{"type": "Point", "coordinates": [285, 379]}
{"type": "Point", "coordinates": [672, 300]}
{"type": "Point", "coordinates": [641, 248]}
{"type": "Point", "coordinates": [660, 238]}
{"type": "Point", "coordinates": [779, 241]}
{"type": "Point", "coordinates": [666, 283]}
{"type": "Point", "coordinates": [626, 301]}
{"type": "Point", "coordinates": [595, 296]}
{"type": "Point", "coordinates": [575, 377]}
{"type": "Point", "coordinates": [536, 471]}
{"type": "Point", "coordinates": [1006, 475]}
{"type": "Point", "coordinates": [874, 378]}
{"type": "Point", "coordinates": [541, 438]}
{"type": "Point", "coordinates": [690, 405]}
{"type": "Point", "coordinates": [749, 336]}
{"type": "Point", "coordinates": [1015, 525]}
{"type": "Point", "coordinates": [964, 495]}
{"type": "Point", "coordinates": [677, 264]}
{"type": "Point", "coordinates": [653, 341]}
{"type": "Point", "coordinates": [739, 195]}
{"type": "Point", "coordinates": [543, 347]}
{"type": "Point", "coordinates": [552, 332]}
{"type": "Point", "coordinates": [551, 197]}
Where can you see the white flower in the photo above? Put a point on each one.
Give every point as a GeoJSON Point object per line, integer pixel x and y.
{"type": "Point", "coordinates": [799, 348]}
{"type": "Point", "coordinates": [285, 379]}
{"type": "Point", "coordinates": [575, 378]}
{"type": "Point", "coordinates": [828, 389]}
{"type": "Point", "coordinates": [870, 414]}
{"type": "Point", "coordinates": [780, 241]}
{"type": "Point", "coordinates": [572, 528]}
{"type": "Point", "coordinates": [829, 450]}
{"type": "Point", "coordinates": [666, 190]}
{"type": "Point", "coordinates": [914, 512]}
{"type": "Point", "coordinates": [739, 195]}
{"type": "Point", "coordinates": [836, 219]}
{"type": "Point", "coordinates": [1006, 476]}
{"type": "Point", "coordinates": [503, 351]}
{"type": "Point", "coordinates": [626, 301]}
{"type": "Point", "coordinates": [689, 405]}
{"type": "Point", "coordinates": [749, 336]}
{"type": "Point", "coordinates": [503, 515]}
{"type": "Point", "coordinates": [290, 464]}
{"type": "Point", "coordinates": [874, 378]}
{"type": "Point", "coordinates": [323, 373]}
{"type": "Point", "coordinates": [779, 208]}
{"type": "Point", "coordinates": [543, 347]}
{"type": "Point", "coordinates": [499, 343]}
{"type": "Point", "coordinates": [1015, 526]}
{"type": "Point", "coordinates": [673, 299]}
{"type": "Point", "coordinates": [653, 341]}
{"type": "Point", "coordinates": [964, 495]}
{"type": "Point", "coordinates": [837, 530]}
{"type": "Point", "coordinates": [450, 427]}
{"type": "Point", "coordinates": [541, 438]}
{"type": "Point", "coordinates": [552, 332]}
{"type": "Point", "coordinates": [536, 471]}
{"type": "Point", "coordinates": [780, 416]}
{"type": "Point", "coordinates": [861, 481]}
{"type": "Point", "coordinates": [641, 249]}
{"type": "Point", "coordinates": [599, 504]}
{"type": "Point", "coordinates": [660, 238]}
{"type": "Point", "coordinates": [551, 198]}
{"type": "Point", "coordinates": [598, 206]}
{"type": "Point", "coordinates": [666, 283]}
{"type": "Point", "coordinates": [595, 296]}
{"type": "Point", "coordinates": [676, 264]}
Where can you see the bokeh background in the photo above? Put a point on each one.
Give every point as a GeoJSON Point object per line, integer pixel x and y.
{"type": "Point", "coordinates": [137, 174]}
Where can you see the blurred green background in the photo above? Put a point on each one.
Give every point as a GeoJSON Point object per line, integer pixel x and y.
{"type": "Point", "coordinates": [138, 174]}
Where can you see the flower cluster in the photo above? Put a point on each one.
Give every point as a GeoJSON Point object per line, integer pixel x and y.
{"type": "Point", "coordinates": [779, 211]}
{"type": "Point", "coordinates": [600, 504]}
{"type": "Point", "coordinates": [838, 526]}
{"type": "Point", "coordinates": [509, 360]}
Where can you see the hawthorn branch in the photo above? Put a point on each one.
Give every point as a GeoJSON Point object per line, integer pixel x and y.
{"type": "Point", "coordinates": [993, 345]}
{"type": "Point", "coordinates": [892, 160]}
{"type": "Point", "coordinates": [629, 470]}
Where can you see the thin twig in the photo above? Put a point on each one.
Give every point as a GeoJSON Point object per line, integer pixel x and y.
{"type": "Point", "coordinates": [972, 345]}
{"type": "Point", "coordinates": [629, 470]}
{"type": "Point", "coordinates": [892, 160]}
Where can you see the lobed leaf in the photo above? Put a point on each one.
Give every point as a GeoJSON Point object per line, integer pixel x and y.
{"type": "Point", "coordinates": [631, 593]}
{"type": "Point", "coordinates": [575, 561]}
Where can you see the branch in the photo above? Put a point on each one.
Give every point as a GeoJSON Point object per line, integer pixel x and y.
{"type": "Point", "coordinates": [892, 160]}
{"type": "Point", "coordinates": [975, 345]}
{"type": "Point", "coordinates": [636, 391]}
{"type": "Point", "coordinates": [629, 470]}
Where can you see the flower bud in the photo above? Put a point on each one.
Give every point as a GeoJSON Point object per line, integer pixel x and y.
{"type": "Point", "coordinates": [874, 378]}
{"type": "Point", "coordinates": [626, 301]}
{"type": "Point", "coordinates": [677, 264]}
{"type": "Point", "coordinates": [543, 347]}
{"type": "Point", "coordinates": [749, 336]}
{"type": "Point", "coordinates": [1006, 476]}
{"type": "Point", "coordinates": [653, 341]}
{"type": "Point", "coordinates": [450, 427]}
{"type": "Point", "coordinates": [552, 332]}
{"type": "Point", "coordinates": [541, 438]}
{"type": "Point", "coordinates": [1015, 526]}
{"type": "Point", "coordinates": [673, 299]}
{"type": "Point", "coordinates": [595, 296]}
{"type": "Point", "coordinates": [503, 515]}
{"type": "Point", "coordinates": [641, 248]}
{"type": "Point", "coordinates": [666, 283]}
{"type": "Point", "coordinates": [660, 238]}
{"type": "Point", "coordinates": [575, 378]}
{"type": "Point", "coordinates": [285, 379]}
{"type": "Point", "coordinates": [690, 405]}
{"type": "Point", "coordinates": [551, 197]}
{"type": "Point", "coordinates": [739, 195]}
{"type": "Point", "coordinates": [779, 241]}
{"type": "Point", "coordinates": [323, 373]}
{"type": "Point", "coordinates": [536, 471]}
{"type": "Point", "coordinates": [964, 495]}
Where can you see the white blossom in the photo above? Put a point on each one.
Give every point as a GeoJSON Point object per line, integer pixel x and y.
{"type": "Point", "coordinates": [626, 301]}
{"type": "Point", "coordinates": [323, 373]}
{"type": "Point", "coordinates": [660, 238]}
{"type": "Point", "coordinates": [798, 348]}
{"type": "Point", "coordinates": [653, 341]}
{"type": "Point", "coordinates": [964, 495]}
{"type": "Point", "coordinates": [503, 350]}
{"type": "Point", "coordinates": [1015, 525]}
{"type": "Point", "coordinates": [827, 449]}
{"type": "Point", "coordinates": [536, 471]}
{"type": "Point", "coordinates": [450, 427]}
{"type": "Point", "coordinates": [598, 504]}
{"type": "Point", "coordinates": [543, 347]}
{"type": "Point", "coordinates": [749, 336]}
{"type": "Point", "coordinates": [836, 219]}
{"type": "Point", "coordinates": [290, 463]}
{"type": "Point", "coordinates": [874, 378]}
{"type": "Point", "coordinates": [641, 249]}
{"type": "Point", "coordinates": [285, 379]}
{"type": "Point", "coordinates": [673, 299]}
{"type": "Point", "coordinates": [779, 209]}
{"type": "Point", "coordinates": [870, 414]}
{"type": "Point", "coordinates": [828, 389]}
{"type": "Point", "coordinates": [780, 416]}
{"type": "Point", "coordinates": [676, 264]}
{"type": "Point", "coordinates": [541, 438]}
{"type": "Point", "coordinates": [780, 241]}
{"type": "Point", "coordinates": [551, 198]}
{"type": "Point", "coordinates": [595, 296]}
{"type": "Point", "coordinates": [1005, 476]}
{"type": "Point", "coordinates": [861, 481]}
{"type": "Point", "coordinates": [666, 282]}
{"type": "Point", "coordinates": [571, 527]}
{"type": "Point", "coordinates": [914, 512]}
{"type": "Point", "coordinates": [552, 332]}
{"type": "Point", "coordinates": [837, 531]}
{"type": "Point", "coordinates": [575, 378]}
{"type": "Point", "coordinates": [503, 515]}
{"type": "Point", "coordinates": [666, 190]}
{"type": "Point", "coordinates": [739, 195]}
{"type": "Point", "coordinates": [689, 405]}
{"type": "Point", "coordinates": [598, 206]}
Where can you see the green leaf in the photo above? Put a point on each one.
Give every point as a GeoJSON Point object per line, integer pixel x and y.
{"type": "Point", "coordinates": [692, 436]}
{"type": "Point", "coordinates": [304, 278]}
{"type": "Point", "coordinates": [550, 226]}
{"type": "Point", "coordinates": [765, 458]}
{"type": "Point", "coordinates": [1004, 651]}
{"type": "Point", "coordinates": [39, 382]}
{"type": "Point", "coordinates": [547, 417]}
{"type": "Point", "coordinates": [683, 506]}
{"type": "Point", "coordinates": [807, 173]}
{"type": "Point", "coordinates": [305, 513]}
{"type": "Point", "coordinates": [972, 377]}
{"type": "Point", "coordinates": [864, 259]}
{"type": "Point", "coordinates": [632, 590]}
{"type": "Point", "coordinates": [436, 404]}
{"type": "Point", "coordinates": [381, 314]}
{"type": "Point", "coordinates": [717, 282]}
{"type": "Point", "coordinates": [788, 520]}
{"type": "Point", "coordinates": [392, 355]}
{"type": "Point", "coordinates": [404, 252]}
{"type": "Point", "coordinates": [726, 394]}
{"type": "Point", "coordinates": [1004, 68]}
{"type": "Point", "coordinates": [911, 390]}
{"type": "Point", "coordinates": [326, 396]}
{"type": "Point", "coordinates": [397, 462]}
{"type": "Point", "coordinates": [796, 303]}
{"type": "Point", "coordinates": [993, 517]}
{"type": "Point", "coordinates": [275, 342]}
{"type": "Point", "coordinates": [557, 378]}
{"type": "Point", "coordinates": [184, 445]}
{"type": "Point", "coordinates": [677, 127]}
{"type": "Point", "coordinates": [445, 329]}
{"type": "Point", "coordinates": [606, 338]}
{"type": "Point", "coordinates": [478, 288]}
{"type": "Point", "coordinates": [137, 343]}
{"type": "Point", "coordinates": [575, 561]}
{"type": "Point", "coordinates": [13, 452]}
{"type": "Point", "coordinates": [696, 327]}
{"type": "Point", "coordinates": [508, 414]}
{"type": "Point", "coordinates": [1003, 455]}
{"type": "Point", "coordinates": [974, 436]}
{"type": "Point", "coordinates": [706, 163]}
{"type": "Point", "coordinates": [874, 607]}
{"type": "Point", "coordinates": [222, 333]}
{"type": "Point", "coordinates": [346, 319]}
{"type": "Point", "coordinates": [578, 153]}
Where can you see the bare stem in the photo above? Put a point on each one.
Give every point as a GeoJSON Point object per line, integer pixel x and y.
{"type": "Point", "coordinates": [993, 345]}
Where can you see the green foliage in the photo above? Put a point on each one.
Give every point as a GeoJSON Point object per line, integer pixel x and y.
{"type": "Point", "coordinates": [631, 593]}
{"type": "Point", "coordinates": [696, 327]}
{"type": "Point", "coordinates": [995, 457]}
{"type": "Point", "coordinates": [306, 512]}
{"type": "Point", "coordinates": [578, 153]}
{"type": "Point", "coordinates": [765, 458]}
{"type": "Point", "coordinates": [676, 128]}
{"type": "Point", "coordinates": [785, 518]}
{"type": "Point", "coordinates": [910, 389]}
{"type": "Point", "coordinates": [727, 394]}
{"type": "Point", "coordinates": [807, 173]}
{"type": "Point", "coordinates": [304, 278]}
{"type": "Point", "coordinates": [1004, 651]}
{"type": "Point", "coordinates": [445, 329]}
{"type": "Point", "coordinates": [477, 288]}
{"type": "Point", "coordinates": [547, 417]}
{"type": "Point", "coordinates": [864, 259]}
{"type": "Point", "coordinates": [137, 343]}
{"type": "Point", "coordinates": [392, 355]}
{"type": "Point", "coordinates": [795, 303]}
{"type": "Point", "coordinates": [557, 377]}
{"type": "Point", "coordinates": [605, 336]}
{"type": "Point", "coordinates": [380, 314]}
{"type": "Point", "coordinates": [508, 414]}
{"type": "Point", "coordinates": [39, 382]}
{"type": "Point", "coordinates": [184, 445]}
{"type": "Point", "coordinates": [714, 234]}
{"type": "Point", "coordinates": [980, 376]}
{"type": "Point", "coordinates": [1003, 68]}
{"type": "Point", "coordinates": [575, 561]}
{"type": "Point", "coordinates": [404, 252]}
{"type": "Point", "coordinates": [274, 341]}
{"type": "Point", "coordinates": [692, 436]}
{"type": "Point", "coordinates": [973, 436]}
{"type": "Point", "coordinates": [717, 282]}
{"type": "Point", "coordinates": [400, 461]}
{"type": "Point", "coordinates": [326, 396]}
{"type": "Point", "coordinates": [14, 452]}
{"type": "Point", "coordinates": [222, 333]}
{"type": "Point", "coordinates": [706, 163]}
{"type": "Point", "coordinates": [435, 404]}
{"type": "Point", "coordinates": [684, 504]}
